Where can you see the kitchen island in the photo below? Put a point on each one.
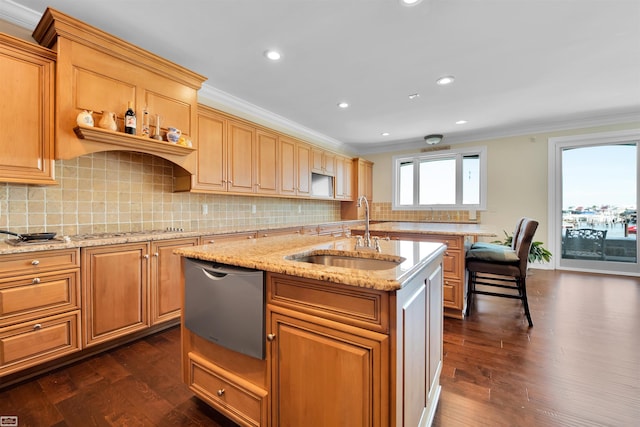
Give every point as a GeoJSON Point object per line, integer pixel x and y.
{"type": "Point", "coordinates": [343, 346]}
{"type": "Point", "coordinates": [457, 237]}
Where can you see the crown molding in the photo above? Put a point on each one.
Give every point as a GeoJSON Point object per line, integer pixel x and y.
{"type": "Point", "coordinates": [225, 100]}
{"type": "Point", "coordinates": [18, 14]}
{"type": "Point", "coordinates": [562, 124]}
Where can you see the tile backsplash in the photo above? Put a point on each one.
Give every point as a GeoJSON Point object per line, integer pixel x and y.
{"type": "Point", "coordinates": [382, 211]}
{"type": "Point", "coordinates": [123, 191]}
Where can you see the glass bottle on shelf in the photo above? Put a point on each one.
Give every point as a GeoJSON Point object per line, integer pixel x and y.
{"type": "Point", "coordinates": [130, 120]}
{"type": "Point", "coordinates": [157, 135]}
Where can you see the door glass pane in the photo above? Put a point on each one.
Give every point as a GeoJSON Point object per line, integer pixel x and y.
{"type": "Point", "coordinates": [406, 183]}
{"type": "Point", "coordinates": [471, 180]}
{"type": "Point", "coordinates": [599, 207]}
{"type": "Point", "coordinates": [438, 182]}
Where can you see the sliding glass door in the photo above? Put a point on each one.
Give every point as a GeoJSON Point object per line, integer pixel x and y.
{"type": "Point", "coordinates": [595, 205]}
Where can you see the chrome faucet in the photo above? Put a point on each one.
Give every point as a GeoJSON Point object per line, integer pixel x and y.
{"type": "Point", "coordinates": [366, 242]}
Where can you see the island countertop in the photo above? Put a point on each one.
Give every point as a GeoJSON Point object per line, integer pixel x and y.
{"type": "Point", "coordinates": [270, 254]}
{"type": "Point", "coordinates": [476, 230]}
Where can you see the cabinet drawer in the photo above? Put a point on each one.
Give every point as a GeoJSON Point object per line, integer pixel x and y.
{"type": "Point", "coordinates": [31, 343]}
{"type": "Point", "coordinates": [46, 294]}
{"type": "Point", "coordinates": [238, 399]}
{"type": "Point", "coordinates": [451, 264]}
{"type": "Point", "coordinates": [219, 238]}
{"type": "Point", "coordinates": [38, 262]}
{"type": "Point", "coordinates": [452, 293]}
{"type": "Point", "coordinates": [357, 307]}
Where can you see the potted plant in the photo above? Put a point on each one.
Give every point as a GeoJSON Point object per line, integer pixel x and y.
{"type": "Point", "coordinates": [537, 252]}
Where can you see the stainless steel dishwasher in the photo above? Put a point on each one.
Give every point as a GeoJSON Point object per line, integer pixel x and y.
{"type": "Point", "coordinates": [225, 305]}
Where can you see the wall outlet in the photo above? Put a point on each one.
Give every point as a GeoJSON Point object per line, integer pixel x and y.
{"type": "Point", "coordinates": [299, 208]}
{"type": "Point", "coordinates": [472, 214]}
{"type": "Point", "coordinates": [205, 209]}
{"type": "Point", "coordinates": [253, 209]}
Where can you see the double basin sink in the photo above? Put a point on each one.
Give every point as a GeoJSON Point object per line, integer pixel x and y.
{"type": "Point", "coordinates": [346, 259]}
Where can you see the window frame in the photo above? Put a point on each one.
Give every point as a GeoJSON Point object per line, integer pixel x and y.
{"type": "Point", "coordinates": [416, 158]}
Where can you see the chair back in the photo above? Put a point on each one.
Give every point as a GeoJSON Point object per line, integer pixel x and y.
{"type": "Point", "coordinates": [516, 233]}
{"type": "Point", "coordinates": [523, 241]}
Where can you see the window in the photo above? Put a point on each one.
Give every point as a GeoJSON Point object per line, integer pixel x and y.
{"type": "Point", "coordinates": [452, 179]}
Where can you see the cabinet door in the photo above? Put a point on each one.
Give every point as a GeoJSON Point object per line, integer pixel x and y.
{"type": "Point", "coordinates": [267, 163]}
{"type": "Point", "coordinates": [288, 180]}
{"type": "Point", "coordinates": [241, 157]}
{"type": "Point", "coordinates": [166, 279]}
{"type": "Point", "coordinates": [303, 159]}
{"type": "Point", "coordinates": [323, 376]}
{"type": "Point", "coordinates": [115, 287]}
{"type": "Point", "coordinates": [211, 173]}
{"type": "Point", "coordinates": [26, 148]}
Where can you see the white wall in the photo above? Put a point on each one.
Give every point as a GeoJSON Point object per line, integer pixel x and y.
{"type": "Point", "coordinates": [517, 177]}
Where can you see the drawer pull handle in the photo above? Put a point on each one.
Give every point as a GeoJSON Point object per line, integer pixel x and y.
{"type": "Point", "coordinates": [35, 262]}
{"type": "Point", "coordinates": [37, 326]}
{"type": "Point", "coordinates": [271, 337]}
{"type": "Point", "coordinates": [220, 392]}
{"type": "Point", "coordinates": [35, 281]}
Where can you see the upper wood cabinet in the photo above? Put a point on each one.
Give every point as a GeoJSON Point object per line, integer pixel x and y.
{"type": "Point", "coordinates": [344, 178]}
{"type": "Point", "coordinates": [323, 162]}
{"type": "Point", "coordinates": [362, 175]}
{"type": "Point", "coordinates": [295, 172]}
{"type": "Point", "coordinates": [99, 72]}
{"type": "Point", "coordinates": [27, 113]}
{"type": "Point", "coordinates": [233, 156]}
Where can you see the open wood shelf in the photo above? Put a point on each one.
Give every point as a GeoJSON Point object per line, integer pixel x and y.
{"type": "Point", "coordinates": [131, 142]}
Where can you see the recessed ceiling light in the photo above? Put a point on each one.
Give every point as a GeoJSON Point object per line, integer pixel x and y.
{"type": "Point", "coordinates": [445, 80]}
{"type": "Point", "coordinates": [461, 122]}
{"type": "Point", "coordinates": [272, 55]}
{"type": "Point", "coordinates": [343, 104]}
{"type": "Point", "coordinates": [414, 96]}
{"type": "Point", "coordinates": [385, 134]}
{"type": "Point", "coordinates": [409, 2]}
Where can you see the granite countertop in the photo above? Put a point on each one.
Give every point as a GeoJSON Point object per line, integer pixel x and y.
{"type": "Point", "coordinates": [432, 228]}
{"type": "Point", "coordinates": [270, 254]}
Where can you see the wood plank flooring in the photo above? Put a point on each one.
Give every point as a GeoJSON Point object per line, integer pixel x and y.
{"type": "Point", "coordinates": [578, 366]}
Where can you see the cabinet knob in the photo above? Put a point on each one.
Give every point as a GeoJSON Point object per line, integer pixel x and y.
{"type": "Point", "coordinates": [230, 182]}
{"type": "Point", "coordinates": [220, 392]}
{"type": "Point", "coordinates": [35, 262]}
{"type": "Point", "coordinates": [145, 256]}
{"type": "Point", "coordinates": [156, 254]}
{"type": "Point", "coordinates": [211, 242]}
{"type": "Point", "coordinates": [271, 337]}
{"type": "Point", "coordinates": [35, 281]}
{"type": "Point", "coordinates": [37, 326]}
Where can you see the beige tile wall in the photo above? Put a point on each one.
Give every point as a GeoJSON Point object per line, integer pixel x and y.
{"type": "Point", "coordinates": [122, 191]}
{"type": "Point", "coordinates": [381, 211]}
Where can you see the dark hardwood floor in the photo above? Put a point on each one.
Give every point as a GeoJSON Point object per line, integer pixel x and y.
{"type": "Point", "coordinates": [578, 366]}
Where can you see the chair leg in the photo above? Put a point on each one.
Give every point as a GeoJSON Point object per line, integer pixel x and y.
{"type": "Point", "coordinates": [522, 285]}
{"type": "Point", "coordinates": [470, 287]}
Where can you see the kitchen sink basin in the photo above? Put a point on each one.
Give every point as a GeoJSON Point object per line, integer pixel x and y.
{"type": "Point", "coordinates": [348, 260]}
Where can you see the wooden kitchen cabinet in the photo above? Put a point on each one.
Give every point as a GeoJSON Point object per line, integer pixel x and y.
{"type": "Point", "coordinates": [39, 308]}
{"type": "Point", "coordinates": [99, 72]}
{"type": "Point", "coordinates": [344, 179]}
{"type": "Point", "coordinates": [211, 239]}
{"type": "Point", "coordinates": [233, 157]}
{"type": "Point", "coordinates": [453, 267]}
{"type": "Point", "coordinates": [165, 277]}
{"type": "Point", "coordinates": [323, 162]}
{"type": "Point", "coordinates": [295, 171]}
{"type": "Point", "coordinates": [27, 145]}
{"type": "Point", "coordinates": [362, 173]}
{"type": "Point", "coordinates": [115, 290]}
{"type": "Point", "coordinates": [325, 374]}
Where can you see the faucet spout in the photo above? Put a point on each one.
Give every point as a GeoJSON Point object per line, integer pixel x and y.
{"type": "Point", "coordinates": [367, 235]}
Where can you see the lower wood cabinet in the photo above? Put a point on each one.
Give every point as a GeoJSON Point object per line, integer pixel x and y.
{"type": "Point", "coordinates": [326, 374]}
{"type": "Point", "coordinates": [166, 279]}
{"type": "Point", "coordinates": [30, 343]}
{"type": "Point", "coordinates": [115, 289]}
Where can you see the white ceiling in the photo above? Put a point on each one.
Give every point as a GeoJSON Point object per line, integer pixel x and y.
{"type": "Point", "coordinates": [521, 66]}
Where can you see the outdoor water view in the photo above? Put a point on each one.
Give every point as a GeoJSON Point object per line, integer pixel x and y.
{"type": "Point", "coordinates": [599, 215]}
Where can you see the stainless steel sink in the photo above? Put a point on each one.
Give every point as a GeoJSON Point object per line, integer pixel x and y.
{"type": "Point", "coordinates": [348, 260]}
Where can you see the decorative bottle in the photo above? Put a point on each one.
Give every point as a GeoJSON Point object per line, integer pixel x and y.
{"type": "Point", "coordinates": [130, 121]}
{"type": "Point", "coordinates": [146, 132]}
